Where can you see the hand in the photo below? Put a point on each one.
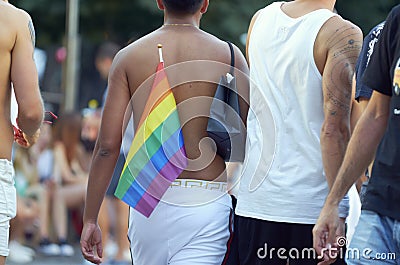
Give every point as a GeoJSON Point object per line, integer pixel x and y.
{"type": "Point", "coordinates": [24, 140]}
{"type": "Point", "coordinates": [325, 231]}
{"type": "Point", "coordinates": [19, 137]}
{"type": "Point", "coordinates": [335, 250]}
{"type": "Point", "coordinates": [31, 140]}
{"type": "Point", "coordinates": [91, 245]}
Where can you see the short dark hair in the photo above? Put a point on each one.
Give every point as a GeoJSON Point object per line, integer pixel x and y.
{"type": "Point", "coordinates": [183, 6]}
{"type": "Point", "coordinates": [107, 50]}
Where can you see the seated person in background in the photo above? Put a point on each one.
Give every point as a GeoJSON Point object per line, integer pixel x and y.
{"type": "Point", "coordinates": [34, 193]}
{"type": "Point", "coordinates": [70, 176]}
{"type": "Point", "coordinates": [43, 153]}
{"type": "Point", "coordinates": [28, 209]}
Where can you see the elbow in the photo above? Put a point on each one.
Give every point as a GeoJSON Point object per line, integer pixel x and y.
{"type": "Point", "coordinates": [31, 111]}
{"type": "Point", "coordinates": [335, 131]}
{"type": "Point", "coordinates": [35, 116]}
{"type": "Point", "coordinates": [107, 149]}
{"type": "Point", "coordinates": [30, 121]}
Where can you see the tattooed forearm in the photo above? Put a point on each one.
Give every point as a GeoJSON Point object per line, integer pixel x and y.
{"type": "Point", "coordinates": [32, 32]}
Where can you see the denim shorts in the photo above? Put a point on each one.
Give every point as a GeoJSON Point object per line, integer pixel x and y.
{"type": "Point", "coordinates": [8, 203]}
{"type": "Point", "coordinates": [376, 241]}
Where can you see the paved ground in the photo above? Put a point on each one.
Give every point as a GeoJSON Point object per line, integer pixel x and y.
{"type": "Point", "coordinates": [53, 261]}
{"type": "Point", "coordinates": [77, 259]}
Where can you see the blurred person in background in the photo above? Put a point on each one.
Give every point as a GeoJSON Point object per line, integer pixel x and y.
{"type": "Point", "coordinates": [91, 119]}
{"type": "Point", "coordinates": [17, 41]}
{"type": "Point", "coordinates": [43, 152]}
{"type": "Point", "coordinates": [71, 179]}
{"type": "Point", "coordinates": [112, 206]}
{"type": "Point", "coordinates": [104, 57]}
{"type": "Point", "coordinates": [28, 208]}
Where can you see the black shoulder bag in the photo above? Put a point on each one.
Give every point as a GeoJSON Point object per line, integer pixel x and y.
{"type": "Point", "coordinates": [225, 126]}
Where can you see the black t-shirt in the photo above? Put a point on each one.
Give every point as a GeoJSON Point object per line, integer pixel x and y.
{"type": "Point", "coordinates": [383, 75]}
{"type": "Point", "coordinates": [363, 60]}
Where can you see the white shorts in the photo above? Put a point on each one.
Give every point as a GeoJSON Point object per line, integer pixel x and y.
{"type": "Point", "coordinates": [191, 225]}
{"type": "Point", "coordinates": [8, 203]}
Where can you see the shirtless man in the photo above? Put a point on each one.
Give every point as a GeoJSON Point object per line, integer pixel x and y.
{"type": "Point", "coordinates": [190, 235]}
{"type": "Point", "coordinates": [17, 41]}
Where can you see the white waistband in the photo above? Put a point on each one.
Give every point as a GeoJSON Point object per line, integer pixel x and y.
{"type": "Point", "coordinates": [6, 171]}
{"type": "Point", "coordinates": [196, 183]}
{"type": "Point", "coordinates": [6, 163]}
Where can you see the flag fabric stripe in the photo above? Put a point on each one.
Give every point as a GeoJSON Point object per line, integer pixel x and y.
{"type": "Point", "coordinates": [157, 188]}
{"type": "Point", "coordinates": [146, 172]}
{"type": "Point", "coordinates": [154, 188]}
{"type": "Point", "coordinates": [156, 139]}
{"type": "Point", "coordinates": [152, 123]}
{"type": "Point", "coordinates": [157, 155]}
{"type": "Point", "coordinates": [157, 93]}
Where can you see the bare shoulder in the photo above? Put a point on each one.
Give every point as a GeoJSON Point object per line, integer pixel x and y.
{"type": "Point", "coordinates": [121, 55]}
{"type": "Point", "coordinates": [342, 41]}
{"type": "Point", "coordinates": [222, 48]}
{"type": "Point", "coordinates": [340, 32]}
{"type": "Point", "coordinates": [14, 22]}
{"type": "Point", "coordinates": [14, 14]}
{"type": "Point", "coordinates": [133, 51]}
{"type": "Point", "coordinates": [18, 21]}
{"type": "Point", "coordinates": [338, 38]}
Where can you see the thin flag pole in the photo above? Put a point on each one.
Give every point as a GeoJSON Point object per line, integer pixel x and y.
{"type": "Point", "coordinates": [161, 53]}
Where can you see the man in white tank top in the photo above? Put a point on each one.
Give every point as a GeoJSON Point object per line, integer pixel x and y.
{"type": "Point", "coordinates": [302, 59]}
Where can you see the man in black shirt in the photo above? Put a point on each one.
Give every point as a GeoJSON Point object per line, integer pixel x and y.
{"type": "Point", "coordinates": [363, 93]}
{"type": "Point", "coordinates": [377, 236]}
{"type": "Point", "coordinates": [362, 90]}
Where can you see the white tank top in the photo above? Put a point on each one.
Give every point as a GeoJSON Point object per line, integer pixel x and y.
{"type": "Point", "coordinates": [283, 178]}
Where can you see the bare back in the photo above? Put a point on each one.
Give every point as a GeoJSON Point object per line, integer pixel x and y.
{"type": "Point", "coordinates": [17, 67]}
{"type": "Point", "coordinates": [194, 62]}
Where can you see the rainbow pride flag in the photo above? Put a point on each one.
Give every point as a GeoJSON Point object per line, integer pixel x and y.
{"type": "Point", "coordinates": [157, 155]}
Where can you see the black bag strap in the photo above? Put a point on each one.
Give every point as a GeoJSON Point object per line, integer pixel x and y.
{"type": "Point", "coordinates": [231, 71]}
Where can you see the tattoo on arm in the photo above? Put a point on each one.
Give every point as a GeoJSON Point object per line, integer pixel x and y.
{"type": "Point", "coordinates": [345, 48]}
{"type": "Point", "coordinates": [32, 32]}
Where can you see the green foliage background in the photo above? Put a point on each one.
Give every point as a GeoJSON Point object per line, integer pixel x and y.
{"type": "Point", "coordinates": [120, 20]}
{"type": "Point", "coordinates": [123, 20]}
